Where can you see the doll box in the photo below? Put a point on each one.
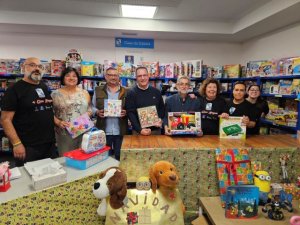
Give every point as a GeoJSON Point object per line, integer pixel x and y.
{"type": "Point", "coordinates": [81, 160]}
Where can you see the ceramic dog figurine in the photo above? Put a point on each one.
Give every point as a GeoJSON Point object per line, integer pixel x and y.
{"type": "Point", "coordinates": [111, 187]}
{"type": "Point", "coordinates": [164, 176]}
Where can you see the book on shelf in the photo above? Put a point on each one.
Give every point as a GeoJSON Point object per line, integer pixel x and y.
{"type": "Point", "coordinates": [148, 116]}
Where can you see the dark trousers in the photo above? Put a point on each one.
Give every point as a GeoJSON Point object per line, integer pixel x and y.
{"type": "Point", "coordinates": [115, 143]}
{"type": "Point", "coordinates": [38, 152]}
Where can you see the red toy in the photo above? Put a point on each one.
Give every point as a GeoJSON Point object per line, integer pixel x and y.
{"type": "Point", "coordinates": [4, 177]}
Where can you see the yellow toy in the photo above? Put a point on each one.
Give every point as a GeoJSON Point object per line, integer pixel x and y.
{"type": "Point", "coordinates": [262, 180]}
{"type": "Point", "coordinates": [143, 184]}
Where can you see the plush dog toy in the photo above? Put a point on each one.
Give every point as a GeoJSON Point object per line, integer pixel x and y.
{"type": "Point", "coordinates": [163, 176]}
{"type": "Point", "coordinates": [110, 187]}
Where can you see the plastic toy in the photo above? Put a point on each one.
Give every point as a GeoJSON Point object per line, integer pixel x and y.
{"type": "Point", "coordinates": [284, 158]}
{"type": "Point", "coordinates": [298, 182]}
{"type": "Point", "coordinates": [295, 220]}
{"type": "Point", "coordinates": [185, 120]}
{"type": "Point", "coordinates": [262, 180]}
{"type": "Point", "coordinates": [4, 176]}
{"type": "Point", "coordinates": [274, 212]}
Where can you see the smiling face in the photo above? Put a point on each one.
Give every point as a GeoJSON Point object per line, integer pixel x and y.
{"type": "Point", "coordinates": [71, 79]}
{"type": "Point", "coordinates": [112, 78]}
{"type": "Point", "coordinates": [239, 92]}
{"type": "Point", "coordinates": [183, 85]}
{"type": "Point", "coordinates": [33, 70]}
{"type": "Point", "coordinates": [254, 92]}
{"type": "Point", "coordinates": [211, 91]}
{"type": "Point", "coordinates": [142, 78]}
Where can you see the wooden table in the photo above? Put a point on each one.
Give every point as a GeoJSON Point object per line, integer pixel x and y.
{"type": "Point", "coordinates": [194, 158]}
{"type": "Point", "coordinates": [216, 214]}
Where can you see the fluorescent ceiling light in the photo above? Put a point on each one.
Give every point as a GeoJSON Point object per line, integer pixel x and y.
{"type": "Point", "coordinates": [138, 11]}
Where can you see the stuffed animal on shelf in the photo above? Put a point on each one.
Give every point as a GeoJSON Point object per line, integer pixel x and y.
{"type": "Point", "coordinates": [111, 187]}
{"type": "Point", "coordinates": [164, 176]}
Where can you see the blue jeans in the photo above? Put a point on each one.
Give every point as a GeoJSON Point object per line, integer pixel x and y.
{"type": "Point", "coordinates": [115, 143]}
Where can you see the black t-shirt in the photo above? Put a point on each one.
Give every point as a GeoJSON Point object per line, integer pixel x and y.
{"type": "Point", "coordinates": [243, 109]}
{"type": "Point", "coordinates": [34, 118]}
{"type": "Point", "coordinates": [210, 110]}
{"type": "Point", "coordinates": [261, 106]}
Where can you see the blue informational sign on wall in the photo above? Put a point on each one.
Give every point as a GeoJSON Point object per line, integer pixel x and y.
{"type": "Point", "coordinates": [134, 43]}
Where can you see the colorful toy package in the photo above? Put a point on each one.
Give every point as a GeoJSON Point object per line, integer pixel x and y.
{"type": "Point", "coordinates": [192, 68]}
{"type": "Point", "coordinates": [87, 68]}
{"type": "Point", "coordinates": [148, 116]}
{"type": "Point", "coordinates": [260, 68]}
{"type": "Point", "coordinates": [232, 128]}
{"type": "Point", "coordinates": [112, 108]}
{"type": "Point", "coordinates": [80, 125]}
{"type": "Point", "coordinates": [57, 66]}
{"type": "Point", "coordinates": [242, 202]}
{"type": "Point", "coordinates": [182, 123]}
{"type": "Point", "coordinates": [232, 71]}
{"type": "Point", "coordinates": [233, 168]}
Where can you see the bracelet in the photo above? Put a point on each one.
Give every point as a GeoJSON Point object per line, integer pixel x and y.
{"type": "Point", "coordinates": [17, 143]}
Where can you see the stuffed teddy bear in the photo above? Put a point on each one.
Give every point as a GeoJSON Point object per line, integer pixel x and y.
{"type": "Point", "coordinates": [163, 176]}
{"type": "Point", "coordinates": [111, 187]}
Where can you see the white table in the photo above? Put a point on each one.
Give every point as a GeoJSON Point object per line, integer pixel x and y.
{"type": "Point", "coordinates": [23, 186]}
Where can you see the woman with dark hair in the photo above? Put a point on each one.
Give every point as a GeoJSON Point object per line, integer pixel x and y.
{"type": "Point", "coordinates": [261, 106]}
{"type": "Point", "coordinates": [69, 102]}
{"type": "Point", "coordinates": [212, 105]}
{"type": "Point", "coordinates": [239, 106]}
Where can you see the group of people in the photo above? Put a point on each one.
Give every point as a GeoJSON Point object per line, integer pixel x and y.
{"type": "Point", "coordinates": [35, 120]}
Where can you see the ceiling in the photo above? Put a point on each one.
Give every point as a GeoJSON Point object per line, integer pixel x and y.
{"type": "Point", "coordinates": [209, 20]}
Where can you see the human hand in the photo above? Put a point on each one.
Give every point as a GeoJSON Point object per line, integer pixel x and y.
{"type": "Point", "coordinates": [19, 152]}
{"type": "Point", "coordinates": [224, 116]}
{"type": "Point", "coordinates": [145, 131]}
{"type": "Point", "coordinates": [100, 113]}
{"type": "Point", "coordinates": [123, 112]}
{"type": "Point", "coordinates": [193, 96]}
{"type": "Point", "coordinates": [63, 124]}
{"type": "Point", "coordinates": [245, 120]}
{"type": "Point", "coordinates": [167, 130]}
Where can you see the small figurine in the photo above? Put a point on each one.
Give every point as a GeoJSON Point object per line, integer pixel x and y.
{"type": "Point", "coordinates": [284, 158]}
{"type": "Point", "coordinates": [274, 212]}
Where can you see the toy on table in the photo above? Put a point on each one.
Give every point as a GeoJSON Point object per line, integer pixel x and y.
{"type": "Point", "coordinates": [295, 220]}
{"type": "Point", "coordinates": [4, 176]}
{"type": "Point", "coordinates": [262, 180]}
{"type": "Point", "coordinates": [274, 209]}
{"type": "Point", "coordinates": [163, 175]}
{"type": "Point", "coordinates": [284, 158]}
{"type": "Point", "coordinates": [298, 181]}
{"type": "Point", "coordinates": [110, 187]}
{"type": "Point", "coordinates": [143, 183]}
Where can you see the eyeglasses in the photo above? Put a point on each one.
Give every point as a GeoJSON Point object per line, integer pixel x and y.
{"type": "Point", "coordinates": [142, 75]}
{"type": "Point", "coordinates": [263, 177]}
{"type": "Point", "coordinates": [112, 75]}
{"type": "Point", "coordinates": [183, 84]}
{"type": "Point", "coordinates": [34, 66]}
{"type": "Point", "coordinates": [254, 90]}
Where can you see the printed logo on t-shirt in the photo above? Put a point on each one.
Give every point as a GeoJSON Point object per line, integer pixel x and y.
{"type": "Point", "coordinates": [40, 92]}
{"type": "Point", "coordinates": [208, 106]}
{"type": "Point", "coordinates": [231, 110]}
{"type": "Point", "coordinates": [154, 97]}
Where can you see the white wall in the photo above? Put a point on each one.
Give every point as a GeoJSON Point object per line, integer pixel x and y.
{"type": "Point", "coordinates": [279, 44]}
{"type": "Point", "coordinates": [98, 49]}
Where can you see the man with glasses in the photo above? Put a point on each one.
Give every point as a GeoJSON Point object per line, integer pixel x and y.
{"type": "Point", "coordinates": [144, 95]}
{"type": "Point", "coordinates": [114, 127]}
{"type": "Point", "coordinates": [180, 102]}
{"type": "Point", "coordinates": [27, 116]}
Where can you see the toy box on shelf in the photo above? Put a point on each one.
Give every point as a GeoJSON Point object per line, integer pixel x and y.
{"type": "Point", "coordinates": [74, 60]}
{"type": "Point", "coordinates": [242, 202]}
{"type": "Point", "coordinates": [232, 71]}
{"type": "Point", "coordinates": [291, 66]}
{"type": "Point", "coordinates": [57, 66]}
{"type": "Point", "coordinates": [260, 68]}
{"type": "Point", "coordinates": [153, 68]}
{"type": "Point", "coordinates": [192, 68]}
{"type": "Point", "coordinates": [232, 128]}
{"type": "Point", "coordinates": [87, 68]}
{"type": "Point", "coordinates": [183, 123]}
{"type": "Point", "coordinates": [81, 160]}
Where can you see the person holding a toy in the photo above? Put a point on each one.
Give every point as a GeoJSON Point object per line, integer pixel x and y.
{"type": "Point", "coordinates": [239, 106]}
{"type": "Point", "coordinates": [115, 127]}
{"type": "Point", "coordinates": [27, 116]}
{"type": "Point", "coordinates": [180, 102]}
{"type": "Point", "coordinates": [69, 102]}
{"type": "Point", "coordinates": [212, 105]}
{"type": "Point", "coordinates": [143, 95]}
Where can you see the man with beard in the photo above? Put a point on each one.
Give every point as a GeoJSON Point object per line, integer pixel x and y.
{"type": "Point", "coordinates": [180, 102]}
{"type": "Point", "coordinates": [27, 116]}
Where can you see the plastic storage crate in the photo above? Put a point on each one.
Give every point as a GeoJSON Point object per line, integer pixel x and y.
{"type": "Point", "coordinates": [81, 160]}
